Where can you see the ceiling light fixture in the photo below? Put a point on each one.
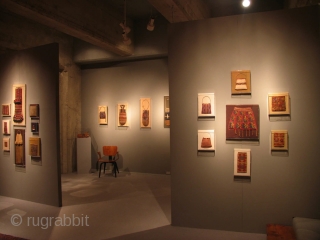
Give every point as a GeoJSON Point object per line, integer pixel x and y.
{"type": "Point", "coordinates": [246, 3]}
{"type": "Point", "coordinates": [150, 25]}
{"type": "Point", "coordinates": [126, 30]}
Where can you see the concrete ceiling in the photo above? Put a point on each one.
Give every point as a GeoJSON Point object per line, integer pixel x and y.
{"type": "Point", "coordinates": [97, 21]}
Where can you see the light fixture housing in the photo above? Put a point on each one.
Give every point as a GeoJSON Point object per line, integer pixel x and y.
{"type": "Point", "coordinates": [125, 28]}
{"type": "Point", "coordinates": [246, 3]}
{"type": "Point", "coordinates": [126, 39]}
{"type": "Point", "coordinates": [150, 25]}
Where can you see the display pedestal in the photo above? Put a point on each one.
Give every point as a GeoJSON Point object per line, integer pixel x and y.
{"type": "Point", "coordinates": [84, 155]}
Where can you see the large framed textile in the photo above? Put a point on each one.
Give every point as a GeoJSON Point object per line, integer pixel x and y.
{"type": "Point", "coordinates": [19, 105]}
{"type": "Point", "coordinates": [242, 122]}
{"type": "Point", "coordinates": [122, 115]}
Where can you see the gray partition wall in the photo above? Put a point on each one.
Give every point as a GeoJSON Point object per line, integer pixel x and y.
{"type": "Point", "coordinates": [38, 69]}
{"type": "Point", "coordinates": [282, 51]}
{"type": "Point", "coordinates": [145, 150]}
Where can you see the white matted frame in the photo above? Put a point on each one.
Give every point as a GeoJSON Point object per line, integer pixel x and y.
{"type": "Point", "coordinates": [6, 127]}
{"type": "Point", "coordinates": [122, 115]}
{"type": "Point", "coordinates": [279, 140]}
{"type": "Point", "coordinates": [145, 112]}
{"type": "Point", "coordinates": [6, 110]}
{"type": "Point", "coordinates": [242, 162]}
{"type": "Point", "coordinates": [103, 115]}
{"type": "Point", "coordinates": [19, 105]}
{"type": "Point", "coordinates": [206, 105]}
{"type": "Point", "coordinates": [6, 144]}
{"type": "Point", "coordinates": [206, 140]}
{"type": "Point", "coordinates": [279, 103]}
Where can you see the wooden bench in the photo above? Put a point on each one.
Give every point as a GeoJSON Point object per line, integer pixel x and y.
{"type": "Point", "coordinates": [280, 232]}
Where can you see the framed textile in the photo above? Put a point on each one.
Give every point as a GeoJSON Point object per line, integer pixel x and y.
{"type": "Point", "coordinates": [103, 115]}
{"type": "Point", "coordinates": [122, 115]}
{"type": "Point", "coordinates": [242, 122]}
{"type": "Point", "coordinates": [34, 127]}
{"type": "Point", "coordinates": [279, 140]}
{"type": "Point", "coordinates": [279, 103]}
{"type": "Point", "coordinates": [34, 110]}
{"type": "Point", "coordinates": [34, 147]}
{"type": "Point", "coordinates": [206, 105]}
{"type": "Point", "coordinates": [241, 82]}
{"type": "Point", "coordinates": [6, 110]}
{"type": "Point", "coordinates": [206, 140]}
{"type": "Point", "coordinates": [166, 112]}
{"type": "Point", "coordinates": [6, 127]}
{"type": "Point", "coordinates": [145, 112]}
{"type": "Point", "coordinates": [6, 144]}
{"type": "Point", "coordinates": [242, 162]}
{"type": "Point", "coordinates": [19, 147]}
{"type": "Point", "coordinates": [19, 106]}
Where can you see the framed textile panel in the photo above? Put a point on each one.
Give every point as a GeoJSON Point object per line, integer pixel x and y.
{"type": "Point", "coordinates": [206, 105]}
{"type": "Point", "coordinates": [19, 147]}
{"type": "Point", "coordinates": [6, 144]}
{"type": "Point", "coordinates": [34, 147]}
{"type": "Point", "coordinates": [122, 115]}
{"type": "Point", "coordinates": [241, 82]}
{"type": "Point", "coordinates": [145, 112]}
{"type": "Point", "coordinates": [279, 103]}
{"type": "Point", "coordinates": [103, 115]}
{"type": "Point", "coordinates": [6, 127]}
{"type": "Point", "coordinates": [206, 140]}
{"type": "Point", "coordinates": [279, 140]}
{"type": "Point", "coordinates": [242, 122]}
{"type": "Point", "coordinates": [19, 106]}
{"type": "Point", "coordinates": [6, 110]}
{"type": "Point", "coordinates": [242, 162]}
{"type": "Point", "coordinates": [34, 110]}
{"type": "Point", "coordinates": [166, 104]}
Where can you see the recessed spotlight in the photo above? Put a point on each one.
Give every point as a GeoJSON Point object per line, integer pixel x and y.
{"type": "Point", "coordinates": [246, 3]}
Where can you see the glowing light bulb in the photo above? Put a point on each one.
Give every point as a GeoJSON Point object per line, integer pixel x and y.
{"type": "Point", "coordinates": [246, 3]}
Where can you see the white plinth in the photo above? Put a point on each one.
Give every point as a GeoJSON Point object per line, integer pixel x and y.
{"type": "Point", "coordinates": [84, 155]}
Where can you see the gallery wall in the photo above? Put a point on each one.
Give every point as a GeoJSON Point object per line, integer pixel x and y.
{"type": "Point", "coordinates": [38, 69]}
{"type": "Point", "coordinates": [282, 51]}
{"type": "Point", "coordinates": [145, 150]}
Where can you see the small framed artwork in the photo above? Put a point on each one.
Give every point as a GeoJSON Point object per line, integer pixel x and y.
{"type": "Point", "coordinates": [6, 110]}
{"type": "Point", "coordinates": [6, 127]}
{"type": "Point", "coordinates": [34, 127]}
{"type": "Point", "coordinates": [145, 112]}
{"type": "Point", "coordinates": [206, 140]}
{"type": "Point", "coordinates": [103, 115]}
{"type": "Point", "coordinates": [19, 100]}
{"type": "Point", "coordinates": [279, 103]}
{"type": "Point", "coordinates": [122, 115]}
{"type": "Point", "coordinates": [6, 144]}
{"type": "Point", "coordinates": [34, 110]}
{"type": "Point", "coordinates": [34, 147]}
{"type": "Point", "coordinates": [242, 162]}
{"type": "Point", "coordinates": [206, 105]}
{"type": "Point", "coordinates": [166, 112]}
{"type": "Point", "coordinates": [241, 82]}
{"type": "Point", "coordinates": [242, 122]}
{"type": "Point", "coordinates": [279, 140]}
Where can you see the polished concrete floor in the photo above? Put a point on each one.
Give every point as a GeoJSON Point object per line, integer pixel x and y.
{"type": "Point", "coordinates": [131, 206]}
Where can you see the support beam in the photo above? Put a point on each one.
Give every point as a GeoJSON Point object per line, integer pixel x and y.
{"type": "Point", "coordinates": [92, 21]}
{"type": "Point", "coordinates": [181, 10]}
